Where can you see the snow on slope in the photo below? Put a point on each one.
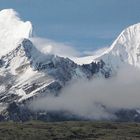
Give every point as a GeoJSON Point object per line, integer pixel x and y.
{"type": "Point", "coordinates": [125, 49]}
{"type": "Point", "coordinates": [16, 55]}
{"type": "Point", "coordinates": [12, 30]}
{"type": "Point", "coordinates": [89, 58]}
{"type": "Point", "coordinates": [24, 70]}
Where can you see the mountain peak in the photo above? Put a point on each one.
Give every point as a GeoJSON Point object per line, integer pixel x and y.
{"type": "Point", "coordinates": [131, 34]}
{"type": "Point", "coordinates": [12, 30]}
{"type": "Point", "coordinates": [125, 49]}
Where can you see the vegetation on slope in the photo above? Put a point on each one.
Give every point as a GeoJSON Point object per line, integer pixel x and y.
{"type": "Point", "coordinates": [69, 131]}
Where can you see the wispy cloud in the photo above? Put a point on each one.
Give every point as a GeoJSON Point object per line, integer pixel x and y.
{"type": "Point", "coordinates": [53, 47]}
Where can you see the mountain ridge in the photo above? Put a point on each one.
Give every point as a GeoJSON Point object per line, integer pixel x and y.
{"type": "Point", "coordinates": [27, 74]}
{"type": "Point", "coordinates": [125, 49]}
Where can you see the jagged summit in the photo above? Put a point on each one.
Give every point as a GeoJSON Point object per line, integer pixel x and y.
{"type": "Point", "coordinates": [24, 55]}
{"type": "Point", "coordinates": [12, 30]}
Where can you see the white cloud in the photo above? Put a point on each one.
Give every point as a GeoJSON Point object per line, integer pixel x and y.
{"type": "Point", "coordinates": [88, 98]}
{"type": "Point", "coordinates": [50, 46]}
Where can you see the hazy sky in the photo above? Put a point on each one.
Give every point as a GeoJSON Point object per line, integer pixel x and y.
{"type": "Point", "coordinates": [86, 24]}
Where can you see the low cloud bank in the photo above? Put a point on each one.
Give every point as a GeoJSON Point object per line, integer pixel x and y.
{"type": "Point", "coordinates": [98, 98]}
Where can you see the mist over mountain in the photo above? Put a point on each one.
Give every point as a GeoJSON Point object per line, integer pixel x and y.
{"type": "Point", "coordinates": [46, 80]}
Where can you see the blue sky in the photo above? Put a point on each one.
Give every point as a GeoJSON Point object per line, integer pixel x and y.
{"type": "Point", "coordinates": [85, 24]}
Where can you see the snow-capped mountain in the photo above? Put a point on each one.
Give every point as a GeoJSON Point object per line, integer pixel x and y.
{"type": "Point", "coordinates": [125, 49]}
{"type": "Point", "coordinates": [26, 73]}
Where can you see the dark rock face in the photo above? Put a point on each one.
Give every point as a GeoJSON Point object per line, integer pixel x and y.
{"type": "Point", "coordinates": [17, 112]}
{"type": "Point", "coordinates": [21, 113]}
{"type": "Point", "coordinates": [128, 115]}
